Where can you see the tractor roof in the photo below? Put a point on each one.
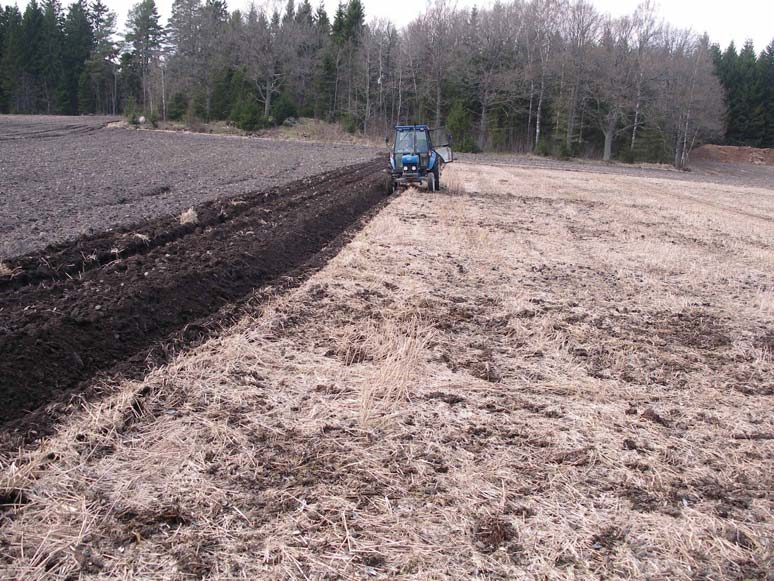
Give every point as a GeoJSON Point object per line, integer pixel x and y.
{"type": "Point", "coordinates": [410, 127]}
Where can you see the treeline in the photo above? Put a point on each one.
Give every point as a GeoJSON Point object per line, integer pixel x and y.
{"type": "Point", "coordinates": [57, 62]}
{"type": "Point", "coordinates": [749, 87]}
{"type": "Point", "coordinates": [551, 76]}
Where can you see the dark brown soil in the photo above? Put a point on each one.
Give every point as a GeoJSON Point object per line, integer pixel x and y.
{"type": "Point", "coordinates": [75, 309]}
{"type": "Point", "coordinates": [733, 154]}
{"type": "Point", "coordinates": [491, 533]}
{"type": "Point", "coordinates": [65, 177]}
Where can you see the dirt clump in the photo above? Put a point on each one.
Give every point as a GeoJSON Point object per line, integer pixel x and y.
{"type": "Point", "coordinates": [654, 416]}
{"type": "Point", "coordinates": [491, 533]}
{"type": "Point", "coordinates": [450, 398]}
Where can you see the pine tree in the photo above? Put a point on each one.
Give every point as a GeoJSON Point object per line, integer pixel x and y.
{"type": "Point", "coordinates": [30, 81]}
{"type": "Point", "coordinates": [53, 40]}
{"type": "Point", "coordinates": [321, 21]}
{"type": "Point", "coordinates": [5, 14]}
{"type": "Point", "coordinates": [77, 46]}
{"type": "Point", "coordinates": [97, 85]}
{"type": "Point", "coordinates": [145, 35]}
{"type": "Point", "coordinates": [338, 31]}
{"type": "Point", "coordinates": [765, 75]}
{"type": "Point", "coordinates": [290, 12]}
{"type": "Point", "coordinates": [304, 15]}
{"type": "Point", "coordinates": [183, 35]}
{"type": "Point", "coordinates": [745, 98]}
{"type": "Point", "coordinates": [354, 21]}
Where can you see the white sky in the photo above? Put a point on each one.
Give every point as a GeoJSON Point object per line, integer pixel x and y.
{"type": "Point", "coordinates": [723, 21]}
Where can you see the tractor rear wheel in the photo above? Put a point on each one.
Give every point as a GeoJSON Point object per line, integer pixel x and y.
{"type": "Point", "coordinates": [389, 185]}
{"type": "Point", "coordinates": [437, 174]}
{"type": "Point", "coordinates": [431, 182]}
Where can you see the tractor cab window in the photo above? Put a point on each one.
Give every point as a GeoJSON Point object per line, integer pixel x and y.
{"type": "Point", "coordinates": [404, 142]}
{"type": "Point", "coordinates": [412, 141]}
{"type": "Point", "coordinates": [422, 144]}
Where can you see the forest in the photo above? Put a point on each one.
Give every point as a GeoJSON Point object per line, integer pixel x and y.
{"type": "Point", "coordinates": [553, 77]}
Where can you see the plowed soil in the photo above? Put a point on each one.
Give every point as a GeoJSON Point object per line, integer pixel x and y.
{"type": "Point", "coordinates": [81, 307]}
{"type": "Point", "coordinates": [65, 177]}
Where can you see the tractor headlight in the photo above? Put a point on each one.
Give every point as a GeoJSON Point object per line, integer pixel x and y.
{"type": "Point", "coordinates": [405, 168]}
{"type": "Point", "coordinates": [413, 168]}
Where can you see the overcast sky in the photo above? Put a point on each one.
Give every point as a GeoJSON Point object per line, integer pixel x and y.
{"type": "Point", "coordinates": [725, 21]}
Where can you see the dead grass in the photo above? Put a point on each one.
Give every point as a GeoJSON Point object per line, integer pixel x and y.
{"type": "Point", "coordinates": [528, 375]}
{"type": "Point", "coordinates": [399, 350]}
{"type": "Point", "coordinates": [308, 129]}
{"type": "Point", "coordinates": [9, 271]}
{"type": "Point", "coordinates": [189, 217]}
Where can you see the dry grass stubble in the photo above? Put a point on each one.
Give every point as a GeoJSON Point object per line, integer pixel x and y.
{"type": "Point", "coordinates": [527, 375]}
{"type": "Point", "coordinates": [189, 217]}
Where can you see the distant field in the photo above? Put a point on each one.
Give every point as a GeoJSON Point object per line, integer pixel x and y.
{"type": "Point", "coordinates": [534, 373]}
{"type": "Point", "coordinates": [703, 168]}
{"type": "Point", "coordinates": [63, 177]}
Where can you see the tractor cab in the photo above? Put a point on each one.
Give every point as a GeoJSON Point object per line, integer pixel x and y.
{"type": "Point", "coordinates": [415, 160]}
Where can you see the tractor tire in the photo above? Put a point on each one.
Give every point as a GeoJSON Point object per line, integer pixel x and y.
{"type": "Point", "coordinates": [390, 187]}
{"type": "Point", "coordinates": [437, 174]}
{"type": "Point", "coordinates": [431, 187]}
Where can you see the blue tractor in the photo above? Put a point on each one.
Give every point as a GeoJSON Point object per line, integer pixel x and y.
{"type": "Point", "coordinates": [414, 160]}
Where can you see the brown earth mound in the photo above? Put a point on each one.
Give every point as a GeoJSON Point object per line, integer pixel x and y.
{"type": "Point", "coordinates": [78, 308]}
{"type": "Point", "coordinates": [733, 154]}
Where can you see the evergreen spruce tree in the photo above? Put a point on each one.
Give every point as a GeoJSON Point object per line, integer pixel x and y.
{"type": "Point", "coordinates": [97, 85]}
{"type": "Point", "coordinates": [304, 16]}
{"type": "Point", "coordinates": [10, 64]}
{"type": "Point", "coordinates": [338, 32]}
{"type": "Point", "coordinates": [77, 46]}
{"type": "Point", "coordinates": [321, 21]}
{"type": "Point", "coordinates": [30, 87]}
{"type": "Point", "coordinates": [354, 21]}
{"type": "Point", "coordinates": [4, 19]}
{"type": "Point", "coordinates": [746, 99]}
{"type": "Point", "coordinates": [766, 83]}
{"type": "Point", "coordinates": [290, 12]}
{"type": "Point", "coordinates": [145, 35]}
{"type": "Point", "coordinates": [53, 40]}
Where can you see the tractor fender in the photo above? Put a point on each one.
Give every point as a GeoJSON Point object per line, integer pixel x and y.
{"type": "Point", "coordinates": [433, 159]}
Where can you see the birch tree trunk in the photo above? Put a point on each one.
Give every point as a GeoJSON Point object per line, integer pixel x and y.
{"type": "Point", "coordinates": [267, 97]}
{"type": "Point", "coordinates": [482, 126]}
{"type": "Point", "coordinates": [538, 114]}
